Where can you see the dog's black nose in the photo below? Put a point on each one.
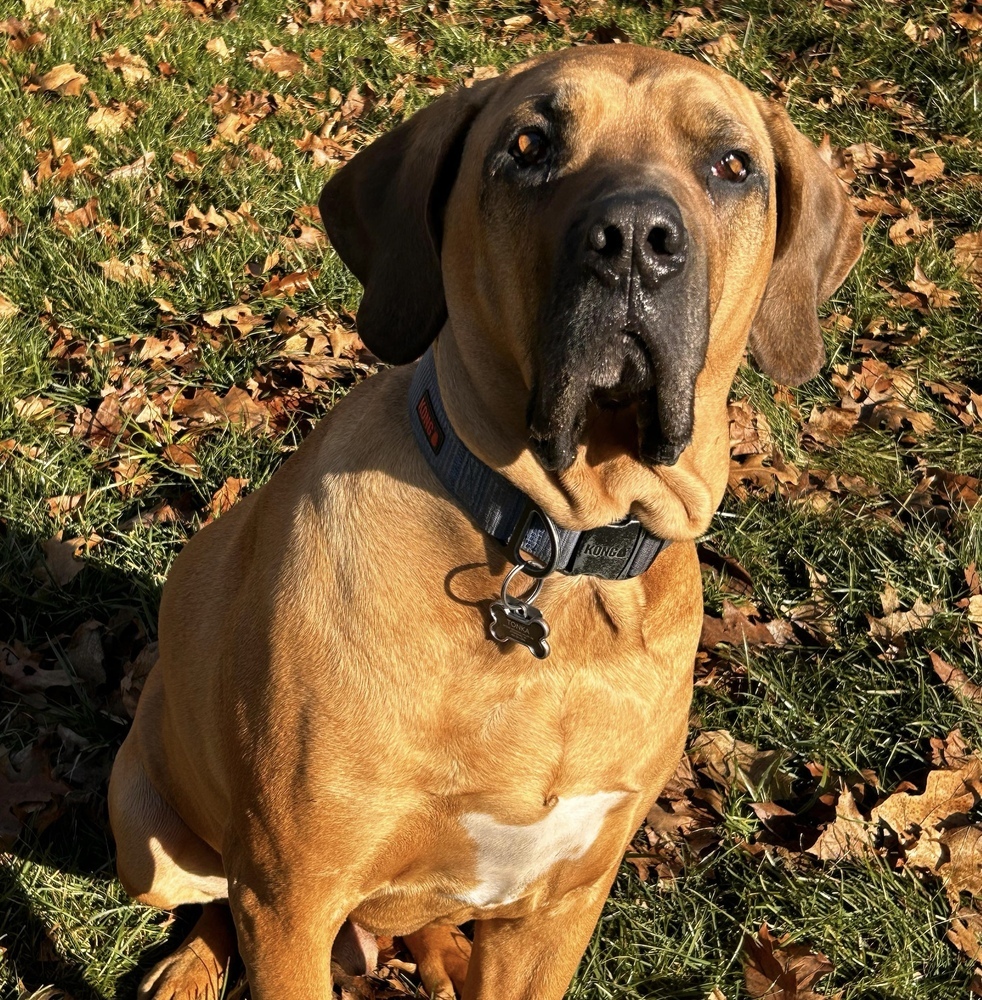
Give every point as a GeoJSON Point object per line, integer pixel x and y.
{"type": "Point", "coordinates": [646, 235]}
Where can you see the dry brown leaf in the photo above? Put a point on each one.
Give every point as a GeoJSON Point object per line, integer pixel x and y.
{"type": "Point", "coordinates": [722, 47]}
{"type": "Point", "coordinates": [917, 821]}
{"type": "Point", "coordinates": [848, 836]}
{"type": "Point", "coordinates": [138, 270]}
{"type": "Point", "coordinates": [227, 495]}
{"type": "Point", "coordinates": [910, 229]}
{"type": "Point", "coordinates": [64, 80]}
{"type": "Point", "coordinates": [737, 628]}
{"type": "Point", "coordinates": [927, 168]}
{"type": "Point", "coordinates": [61, 556]}
{"type": "Point", "coordinates": [133, 68]}
{"type": "Point", "coordinates": [140, 167]}
{"type": "Point", "coordinates": [181, 455]}
{"type": "Point", "coordinates": [28, 793]}
{"type": "Point", "coordinates": [68, 220]}
{"type": "Point", "coordinates": [956, 679]}
{"type": "Point", "coordinates": [893, 415]}
{"type": "Point", "coordinates": [22, 670]}
{"type": "Point", "coordinates": [218, 48]}
{"type": "Point", "coordinates": [778, 970]}
{"type": "Point", "coordinates": [111, 120]}
{"type": "Point", "coordinates": [729, 761]}
{"type": "Point", "coordinates": [289, 284]}
{"type": "Point", "coordinates": [827, 428]}
{"type": "Point", "coordinates": [965, 933]}
{"type": "Point", "coordinates": [8, 309]}
{"type": "Point", "coordinates": [277, 60]}
{"type": "Point", "coordinates": [961, 871]}
{"type": "Point", "coordinates": [968, 256]}
{"type": "Point", "coordinates": [901, 622]}
{"type": "Point", "coordinates": [22, 36]}
{"type": "Point", "coordinates": [65, 503]}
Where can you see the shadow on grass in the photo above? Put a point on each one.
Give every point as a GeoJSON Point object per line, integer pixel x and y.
{"type": "Point", "coordinates": [64, 920]}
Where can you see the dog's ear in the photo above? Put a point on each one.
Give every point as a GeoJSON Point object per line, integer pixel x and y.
{"type": "Point", "coordinates": [819, 238]}
{"type": "Point", "coordinates": [383, 212]}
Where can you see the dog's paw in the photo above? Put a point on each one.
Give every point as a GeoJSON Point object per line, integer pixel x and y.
{"type": "Point", "coordinates": [185, 975]}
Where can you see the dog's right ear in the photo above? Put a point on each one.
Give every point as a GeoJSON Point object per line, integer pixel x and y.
{"type": "Point", "coordinates": [383, 212]}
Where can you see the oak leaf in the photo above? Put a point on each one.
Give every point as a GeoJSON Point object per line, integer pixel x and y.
{"type": "Point", "coordinates": [132, 67]}
{"type": "Point", "coordinates": [927, 168]}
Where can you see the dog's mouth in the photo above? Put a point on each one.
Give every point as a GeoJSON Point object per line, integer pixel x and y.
{"type": "Point", "coordinates": [634, 373]}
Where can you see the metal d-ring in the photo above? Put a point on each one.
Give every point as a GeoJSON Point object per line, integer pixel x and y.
{"type": "Point", "coordinates": [525, 599]}
{"type": "Point", "coordinates": [514, 544]}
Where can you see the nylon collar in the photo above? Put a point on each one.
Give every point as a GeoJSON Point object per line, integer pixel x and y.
{"type": "Point", "coordinates": [614, 552]}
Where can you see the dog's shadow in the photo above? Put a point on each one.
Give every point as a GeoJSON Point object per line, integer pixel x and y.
{"type": "Point", "coordinates": [65, 921]}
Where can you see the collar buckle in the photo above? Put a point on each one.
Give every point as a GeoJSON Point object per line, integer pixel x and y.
{"type": "Point", "coordinates": [608, 551]}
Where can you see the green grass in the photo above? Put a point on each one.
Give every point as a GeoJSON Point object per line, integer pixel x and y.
{"type": "Point", "coordinates": [64, 921]}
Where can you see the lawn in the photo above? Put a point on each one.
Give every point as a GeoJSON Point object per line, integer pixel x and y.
{"type": "Point", "coordinates": [172, 323]}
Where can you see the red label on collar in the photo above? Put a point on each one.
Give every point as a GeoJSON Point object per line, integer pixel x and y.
{"type": "Point", "coordinates": [428, 421]}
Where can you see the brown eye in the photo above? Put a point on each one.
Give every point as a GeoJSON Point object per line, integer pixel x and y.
{"type": "Point", "coordinates": [732, 167]}
{"type": "Point", "coordinates": [530, 148]}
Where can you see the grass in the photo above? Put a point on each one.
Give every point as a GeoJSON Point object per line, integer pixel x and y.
{"type": "Point", "coordinates": [65, 924]}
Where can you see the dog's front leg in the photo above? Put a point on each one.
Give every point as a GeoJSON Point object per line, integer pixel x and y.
{"type": "Point", "coordinates": [286, 929]}
{"type": "Point", "coordinates": [534, 957]}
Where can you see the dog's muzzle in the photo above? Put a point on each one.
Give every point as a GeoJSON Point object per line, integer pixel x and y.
{"type": "Point", "coordinates": [626, 325]}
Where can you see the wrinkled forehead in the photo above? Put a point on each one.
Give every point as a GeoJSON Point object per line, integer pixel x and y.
{"type": "Point", "coordinates": [629, 99]}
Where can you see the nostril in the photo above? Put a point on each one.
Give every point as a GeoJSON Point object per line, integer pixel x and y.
{"type": "Point", "coordinates": [606, 240]}
{"type": "Point", "coordinates": [664, 242]}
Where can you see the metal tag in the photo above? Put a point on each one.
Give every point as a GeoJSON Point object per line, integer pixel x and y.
{"type": "Point", "coordinates": [521, 623]}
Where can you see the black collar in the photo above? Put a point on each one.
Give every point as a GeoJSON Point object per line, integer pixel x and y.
{"type": "Point", "coordinates": [615, 552]}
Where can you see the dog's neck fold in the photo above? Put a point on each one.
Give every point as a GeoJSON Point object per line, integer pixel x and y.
{"type": "Point", "coordinates": [485, 395]}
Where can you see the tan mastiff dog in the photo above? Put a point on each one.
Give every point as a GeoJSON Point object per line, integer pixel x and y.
{"type": "Point", "coordinates": [331, 734]}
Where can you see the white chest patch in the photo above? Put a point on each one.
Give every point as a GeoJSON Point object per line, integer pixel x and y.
{"type": "Point", "coordinates": [510, 858]}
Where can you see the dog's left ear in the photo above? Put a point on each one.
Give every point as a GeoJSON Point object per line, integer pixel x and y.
{"type": "Point", "coordinates": [819, 238]}
{"type": "Point", "coordinates": [383, 212]}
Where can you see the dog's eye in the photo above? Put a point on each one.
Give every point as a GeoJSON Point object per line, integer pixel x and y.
{"type": "Point", "coordinates": [732, 167]}
{"type": "Point", "coordinates": [530, 148]}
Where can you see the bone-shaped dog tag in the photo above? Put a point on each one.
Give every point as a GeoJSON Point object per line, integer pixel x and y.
{"type": "Point", "coordinates": [521, 623]}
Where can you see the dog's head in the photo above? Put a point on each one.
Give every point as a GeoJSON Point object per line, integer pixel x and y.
{"type": "Point", "coordinates": [615, 220]}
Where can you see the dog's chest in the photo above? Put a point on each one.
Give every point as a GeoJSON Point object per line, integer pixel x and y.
{"type": "Point", "coordinates": [511, 857]}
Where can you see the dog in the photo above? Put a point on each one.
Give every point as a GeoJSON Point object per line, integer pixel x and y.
{"type": "Point", "coordinates": [439, 667]}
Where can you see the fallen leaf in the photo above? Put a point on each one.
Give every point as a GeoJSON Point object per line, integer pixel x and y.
{"type": "Point", "coordinates": [729, 761]}
{"type": "Point", "coordinates": [737, 628]}
{"type": "Point", "coordinates": [227, 495]}
{"type": "Point", "coordinates": [61, 556]}
{"type": "Point", "coordinates": [111, 120]}
{"type": "Point", "coordinates": [848, 836]}
{"type": "Point", "coordinates": [138, 270]}
{"type": "Point", "coordinates": [968, 256]}
{"type": "Point", "coordinates": [28, 793]}
{"type": "Point", "coordinates": [64, 80]}
{"type": "Point", "coordinates": [8, 309]}
{"type": "Point", "coordinates": [927, 168]}
{"type": "Point", "coordinates": [69, 221]}
{"type": "Point", "coordinates": [827, 428]}
{"type": "Point", "coordinates": [22, 670]}
{"type": "Point", "coordinates": [218, 48]}
{"type": "Point", "coordinates": [140, 167]}
{"type": "Point", "coordinates": [957, 680]}
{"type": "Point", "coordinates": [962, 870]}
{"type": "Point", "coordinates": [901, 622]}
{"type": "Point", "coordinates": [775, 969]}
{"type": "Point", "coordinates": [133, 68]}
{"type": "Point", "coordinates": [917, 821]}
{"type": "Point", "coordinates": [277, 60]}
{"type": "Point", "coordinates": [965, 933]}
{"type": "Point", "coordinates": [909, 229]}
